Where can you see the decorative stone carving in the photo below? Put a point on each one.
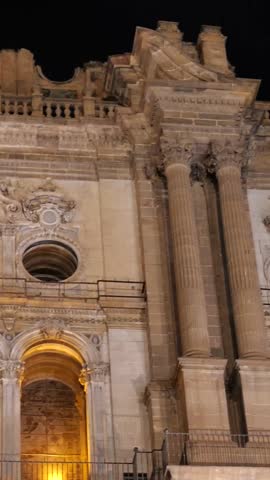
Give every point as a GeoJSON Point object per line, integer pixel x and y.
{"type": "Point", "coordinates": [12, 369]}
{"type": "Point", "coordinates": [266, 222]}
{"type": "Point", "coordinates": [197, 173]}
{"type": "Point", "coordinates": [48, 207]}
{"type": "Point", "coordinates": [52, 329]}
{"type": "Point", "coordinates": [97, 373]}
{"type": "Point", "coordinates": [10, 208]}
{"type": "Point", "coordinates": [9, 318]}
{"type": "Point", "coordinates": [174, 151]}
{"type": "Point", "coordinates": [225, 153]}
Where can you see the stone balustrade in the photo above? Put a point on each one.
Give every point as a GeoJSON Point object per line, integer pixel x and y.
{"type": "Point", "coordinates": [55, 108]}
{"type": "Point", "coordinates": [61, 109]}
{"type": "Point", "coordinates": [16, 106]}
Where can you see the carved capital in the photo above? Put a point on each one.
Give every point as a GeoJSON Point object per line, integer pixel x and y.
{"type": "Point", "coordinates": [176, 151]}
{"type": "Point", "coordinates": [226, 153]}
{"type": "Point", "coordinates": [12, 369]}
{"type": "Point", "coordinates": [197, 173]}
{"type": "Point", "coordinates": [94, 373]}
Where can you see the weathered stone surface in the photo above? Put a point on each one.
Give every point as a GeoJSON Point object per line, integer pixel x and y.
{"type": "Point", "coordinates": [142, 167]}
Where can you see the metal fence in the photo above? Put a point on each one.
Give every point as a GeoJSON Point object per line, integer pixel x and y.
{"type": "Point", "coordinates": [33, 470]}
{"type": "Point", "coordinates": [216, 448]}
{"type": "Point", "coordinates": [101, 290]}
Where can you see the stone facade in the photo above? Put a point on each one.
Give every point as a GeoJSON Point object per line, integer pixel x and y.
{"type": "Point", "coordinates": [134, 252]}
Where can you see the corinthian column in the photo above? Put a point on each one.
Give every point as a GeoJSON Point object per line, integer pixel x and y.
{"type": "Point", "coordinates": [241, 262]}
{"type": "Point", "coordinates": [187, 266]}
{"type": "Point", "coordinates": [11, 408]}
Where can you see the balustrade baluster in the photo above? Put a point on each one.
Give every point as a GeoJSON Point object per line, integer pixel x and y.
{"type": "Point", "coordinates": [111, 111]}
{"type": "Point", "coordinates": [76, 111]}
{"type": "Point", "coordinates": [57, 110]}
{"type": "Point", "coordinates": [49, 109]}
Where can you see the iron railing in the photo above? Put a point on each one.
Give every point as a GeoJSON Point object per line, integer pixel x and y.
{"type": "Point", "coordinates": [216, 448]}
{"type": "Point", "coordinates": [33, 470]}
{"type": "Point", "coordinates": [148, 465]}
{"type": "Point", "coordinates": [208, 448]}
{"type": "Point", "coordinates": [102, 290]}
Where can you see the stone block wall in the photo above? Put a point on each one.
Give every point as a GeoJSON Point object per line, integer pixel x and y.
{"type": "Point", "coordinates": [129, 377]}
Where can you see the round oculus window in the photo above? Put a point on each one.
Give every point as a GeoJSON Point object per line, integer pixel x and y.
{"type": "Point", "coordinates": [50, 261]}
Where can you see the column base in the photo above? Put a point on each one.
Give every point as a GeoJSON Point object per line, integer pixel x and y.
{"type": "Point", "coordinates": [201, 394]}
{"type": "Point", "coordinates": [255, 381]}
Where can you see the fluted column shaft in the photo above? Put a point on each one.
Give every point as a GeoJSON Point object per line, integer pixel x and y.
{"type": "Point", "coordinates": [187, 265]}
{"type": "Point", "coordinates": [241, 262]}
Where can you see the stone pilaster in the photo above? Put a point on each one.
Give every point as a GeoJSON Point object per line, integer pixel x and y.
{"type": "Point", "coordinates": [8, 252]}
{"type": "Point", "coordinates": [12, 372]}
{"type": "Point", "coordinates": [244, 286]}
{"type": "Point", "coordinates": [187, 266]}
{"type": "Point", "coordinates": [160, 400]}
{"type": "Point", "coordinates": [95, 380]}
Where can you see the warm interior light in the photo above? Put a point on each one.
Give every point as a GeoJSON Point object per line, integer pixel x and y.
{"type": "Point", "coordinates": [55, 475]}
{"type": "Point", "coordinates": [53, 347]}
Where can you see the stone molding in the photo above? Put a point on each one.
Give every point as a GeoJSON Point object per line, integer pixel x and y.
{"type": "Point", "coordinates": [197, 99]}
{"type": "Point", "coordinates": [61, 137]}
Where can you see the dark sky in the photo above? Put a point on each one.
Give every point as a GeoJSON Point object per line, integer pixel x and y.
{"type": "Point", "coordinates": [63, 38]}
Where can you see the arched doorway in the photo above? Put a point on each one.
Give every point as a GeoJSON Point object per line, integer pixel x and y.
{"type": "Point", "coordinates": [53, 414]}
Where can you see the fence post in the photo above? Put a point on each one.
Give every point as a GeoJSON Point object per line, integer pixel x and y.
{"type": "Point", "coordinates": [165, 450]}
{"type": "Point", "coordinates": [135, 464]}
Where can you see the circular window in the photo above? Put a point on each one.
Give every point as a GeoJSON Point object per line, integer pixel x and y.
{"type": "Point", "coordinates": [50, 261]}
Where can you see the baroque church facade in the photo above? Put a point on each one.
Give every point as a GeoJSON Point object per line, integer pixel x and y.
{"type": "Point", "coordinates": [135, 263]}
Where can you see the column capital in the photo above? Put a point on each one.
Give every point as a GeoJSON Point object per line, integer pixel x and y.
{"type": "Point", "coordinates": [12, 370]}
{"type": "Point", "coordinates": [226, 153]}
{"type": "Point", "coordinates": [94, 373]}
{"type": "Point", "coordinates": [176, 151]}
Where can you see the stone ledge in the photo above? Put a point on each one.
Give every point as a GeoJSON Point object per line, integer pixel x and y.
{"type": "Point", "coordinates": [216, 473]}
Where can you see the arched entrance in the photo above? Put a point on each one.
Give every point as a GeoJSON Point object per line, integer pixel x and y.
{"type": "Point", "coordinates": [52, 353]}
{"type": "Point", "coordinates": [53, 413]}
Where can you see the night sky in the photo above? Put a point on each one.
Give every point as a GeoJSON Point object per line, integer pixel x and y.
{"type": "Point", "coordinates": [63, 38]}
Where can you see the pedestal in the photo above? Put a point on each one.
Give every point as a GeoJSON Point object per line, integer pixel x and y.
{"type": "Point", "coordinates": [255, 381]}
{"type": "Point", "coordinates": [201, 394]}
